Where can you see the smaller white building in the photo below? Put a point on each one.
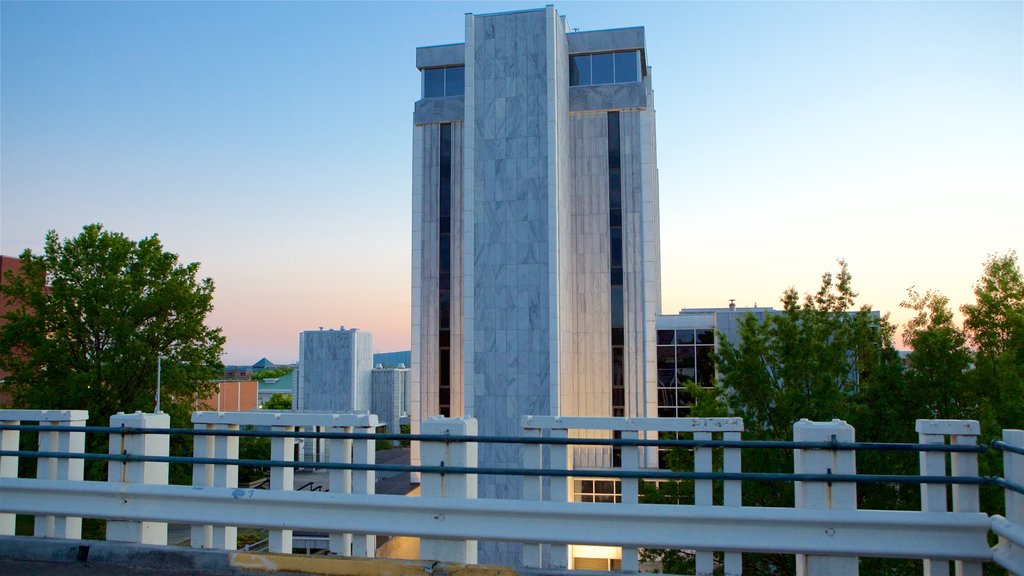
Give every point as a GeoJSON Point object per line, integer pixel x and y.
{"type": "Point", "coordinates": [390, 396]}
{"type": "Point", "coordinates": [334, 376]}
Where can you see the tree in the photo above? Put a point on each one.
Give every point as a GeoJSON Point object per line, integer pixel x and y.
{"type": "Point", "coordinates": [817, 358]}
{"type": "Point", "coordinates": [939, 364]}
{"type": "Point", "coordinates": [279, 401]}
{"type": "Point", "coordinates": [92, 314]}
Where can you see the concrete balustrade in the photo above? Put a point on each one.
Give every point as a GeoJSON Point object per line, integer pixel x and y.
{"type": "Point", "coordinates": [825, 530]}
{"type": "Point", "coordinates": [456, 486]}
{"type": "Point", "coordinates": [139, 472]}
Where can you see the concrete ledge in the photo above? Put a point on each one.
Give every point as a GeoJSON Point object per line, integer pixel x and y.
{"type": "Point", "coordinates": [118, 553]}
{"type": "Point", "coordinates": [160, 558]}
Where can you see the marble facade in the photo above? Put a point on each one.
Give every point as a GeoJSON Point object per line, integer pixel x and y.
{"type": "Point", "coordinates": [530, 247]}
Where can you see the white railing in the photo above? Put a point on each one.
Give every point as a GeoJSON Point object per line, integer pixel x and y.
{"type": "Point", "coordinates": [825, 529]}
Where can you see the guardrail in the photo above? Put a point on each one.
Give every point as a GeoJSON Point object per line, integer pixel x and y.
{"type": "Point", "coordinates": [825, 529]}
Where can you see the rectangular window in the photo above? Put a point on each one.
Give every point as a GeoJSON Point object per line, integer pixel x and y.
{"type": "Point", "coordinates": [447, 81]}
{"type": "Point", "coordinates": [455, 81]}
{"type": "Point", "coordinates": [626, 66]}
{"type": "Point", "coordinates": [604, 68]}
{"type": "Point", "coordinates": [579, 70]}
{"type": "Point", "coordinates": [444, 257]}
{"type": "Point", "coordinates": [433, 83]}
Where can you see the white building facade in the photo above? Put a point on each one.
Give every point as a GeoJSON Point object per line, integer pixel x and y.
{"type": "Point", "coordinates": [535, 228]}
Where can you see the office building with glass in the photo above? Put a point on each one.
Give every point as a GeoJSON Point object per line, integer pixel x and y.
{"type": "Point", "coordinates": [535, 228]}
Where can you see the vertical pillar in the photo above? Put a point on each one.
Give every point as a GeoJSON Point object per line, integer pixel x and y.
{"type": "Point", "coordinates": [532, 490]}
{"type": "Point", "coordinates": [933, 496]}
{"type": "Point", "coordinates": [825, 495]}
{"type": "Point", "coordinates": [202, 476]}
{"type": "Point", "coordinates": [61, 468]}
{"type": "Point", "coordinates": [281, 478]}
{"type": "Point", "coordinates": [139, 472]}
{"type": "Point", "coordinates": [703, 495]}
{"type": "Point", "coordinates": [630, 493]}
{"type": "Point", "coordinates": [455, 486]}
{"type": "Point", "coordinates": [733, 497]}
{"type": "Point", "coordinates": [1013, 470]}
{"type": "Point", "coordinates": [225, 476]}
{"type": "Point", "coordinates": [560, 492]}
{"type": "Point", "coordinates": [364, 482]}
{"type": "Point", "coordinates": [339, 451]}
{"type": "Point", "coordinates": [9, 440]}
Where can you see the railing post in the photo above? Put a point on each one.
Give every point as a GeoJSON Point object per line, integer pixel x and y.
{"type": "Point", "coordinates": [339, 451]}
{"type": "Point", "coordinates": [202, 476]}
{"type": "Point", "coordinates": [825, 495]}
{"type": "Point", "coordinates": [9, 440]}
{"type": "Point", "coordinates": [364, 481]}
{"type": "Point", "coordinates": [221, 537]}
{"type": "Point", "coordinates": [533, 459]}
{"type": "Point", "coordinates": [630, 460]}
{"type": "Point", "coordinates": [61, 468]}
{"type": "Point", "coordinates": [703, 494]}
{"type": "Point", "coordinates": [139, 472]}
{"type": "Point", "coordinates": [559, 454]}
{"type": "Point", "coordinates": [733, 496]}
{"type": "Point", "coordinates": [225, 476]}
{"type": "Point", "coordinates": [1009, 552]}
{"type": "Point", "coordinates": [1013, 470]}
{"type": "Point", "coordinates": [281, 478]}
{"type": "Point", "coordinates": [933, 496]}
{"type": "Point", "coordinates": [455, 486]}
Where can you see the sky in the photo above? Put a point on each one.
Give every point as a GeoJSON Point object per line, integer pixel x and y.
{"type": "Point", "coordinates": [271, 142]}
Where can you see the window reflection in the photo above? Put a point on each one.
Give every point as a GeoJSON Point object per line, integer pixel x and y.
{"type": "Point", "coordinates": [604, 68]}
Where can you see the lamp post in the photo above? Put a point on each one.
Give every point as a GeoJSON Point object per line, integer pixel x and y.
{"type": "Point", "coordinates": [158, 359]}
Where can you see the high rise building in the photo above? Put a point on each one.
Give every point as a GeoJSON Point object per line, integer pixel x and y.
{"type": "Point", "coordinates": [535, 228]}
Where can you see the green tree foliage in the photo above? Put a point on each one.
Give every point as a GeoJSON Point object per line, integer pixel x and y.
{"type": "Point", "coordinates": [938, 367]}
{"type": "Point", "coordinates": [92, 313]}
{"type": "Point", "coordinates": [279, 401]}
{"type": "Point", "coordinates": [813, 360]}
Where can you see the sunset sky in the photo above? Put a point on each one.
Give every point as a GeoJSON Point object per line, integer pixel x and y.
{"type": "Point", "coordinates": [272, 143]}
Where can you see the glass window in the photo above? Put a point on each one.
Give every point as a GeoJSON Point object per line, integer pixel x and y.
{"type": "Point", "coordinates": [433, 83]}
{"type": "Point", "coordinates": [579, 70]}
{"type": "Point", "coordinates": [705, 336]}
{"type": "Point", "coordinates": [626, 66]}
{"type": "Point", "coordinates": [684, 336]}
{"type": "Point", "coordinates": [705, 366]}
{"type": "Point", "coordinates": [666, 357]}
{"type": "Point", "coordinates": [455, 81]}
{"type": "Point", "coordinates": [665, 337]}
{"type": "Point", "coordinates": [602, 68]}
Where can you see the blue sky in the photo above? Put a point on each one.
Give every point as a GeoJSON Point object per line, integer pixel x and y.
{"type": "Point", "coordinates": [272, 143]}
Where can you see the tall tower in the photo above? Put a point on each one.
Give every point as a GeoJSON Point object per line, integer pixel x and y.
{"type": "Point", "coordinates": [535, 227]}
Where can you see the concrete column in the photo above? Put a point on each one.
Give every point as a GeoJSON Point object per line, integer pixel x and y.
{"type": "Point", "coordinates": [532, 490]}
{"type": "Point", "coordinates": [733, 493]}
{"type": "Point", "coordinates": [456, 486]}
{"type": "Point", "coordinates": [1013, 470]}
{"type": "Point", "coordinates": [933, 496]}
{"type": "Point", "coordinates": [61, 468]}
{"type": "Point", "coordinates": [364, 482]}
{"type": "Point", "coordinates": [282, 478]}
{"type": "Point", "coordinates": [703, 495]}
{"type": "Point", "coordinates": [339, 451]}
{"type": "Point", "coordinates": [559, 553]}
{"type": "Point", "coordinates": [202, 477]}
{"type": "Point", "coordinates": [225, 476]}
{"type": "Point", "coordinates": [9, 440]}
{"type": "Point", "coordinates": [139, 472]}
{"type": "Point", "coordinates": [630, 494]}
{"type": "Point", "coordinates": [825, 495]}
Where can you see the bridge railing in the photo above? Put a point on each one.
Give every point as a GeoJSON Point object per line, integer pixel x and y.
{"type": "Point", "coordinates": [825, 529]}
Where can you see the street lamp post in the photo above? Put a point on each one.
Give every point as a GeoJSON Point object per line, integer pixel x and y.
{"type": "Point", "coordinates": [158, 359]}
